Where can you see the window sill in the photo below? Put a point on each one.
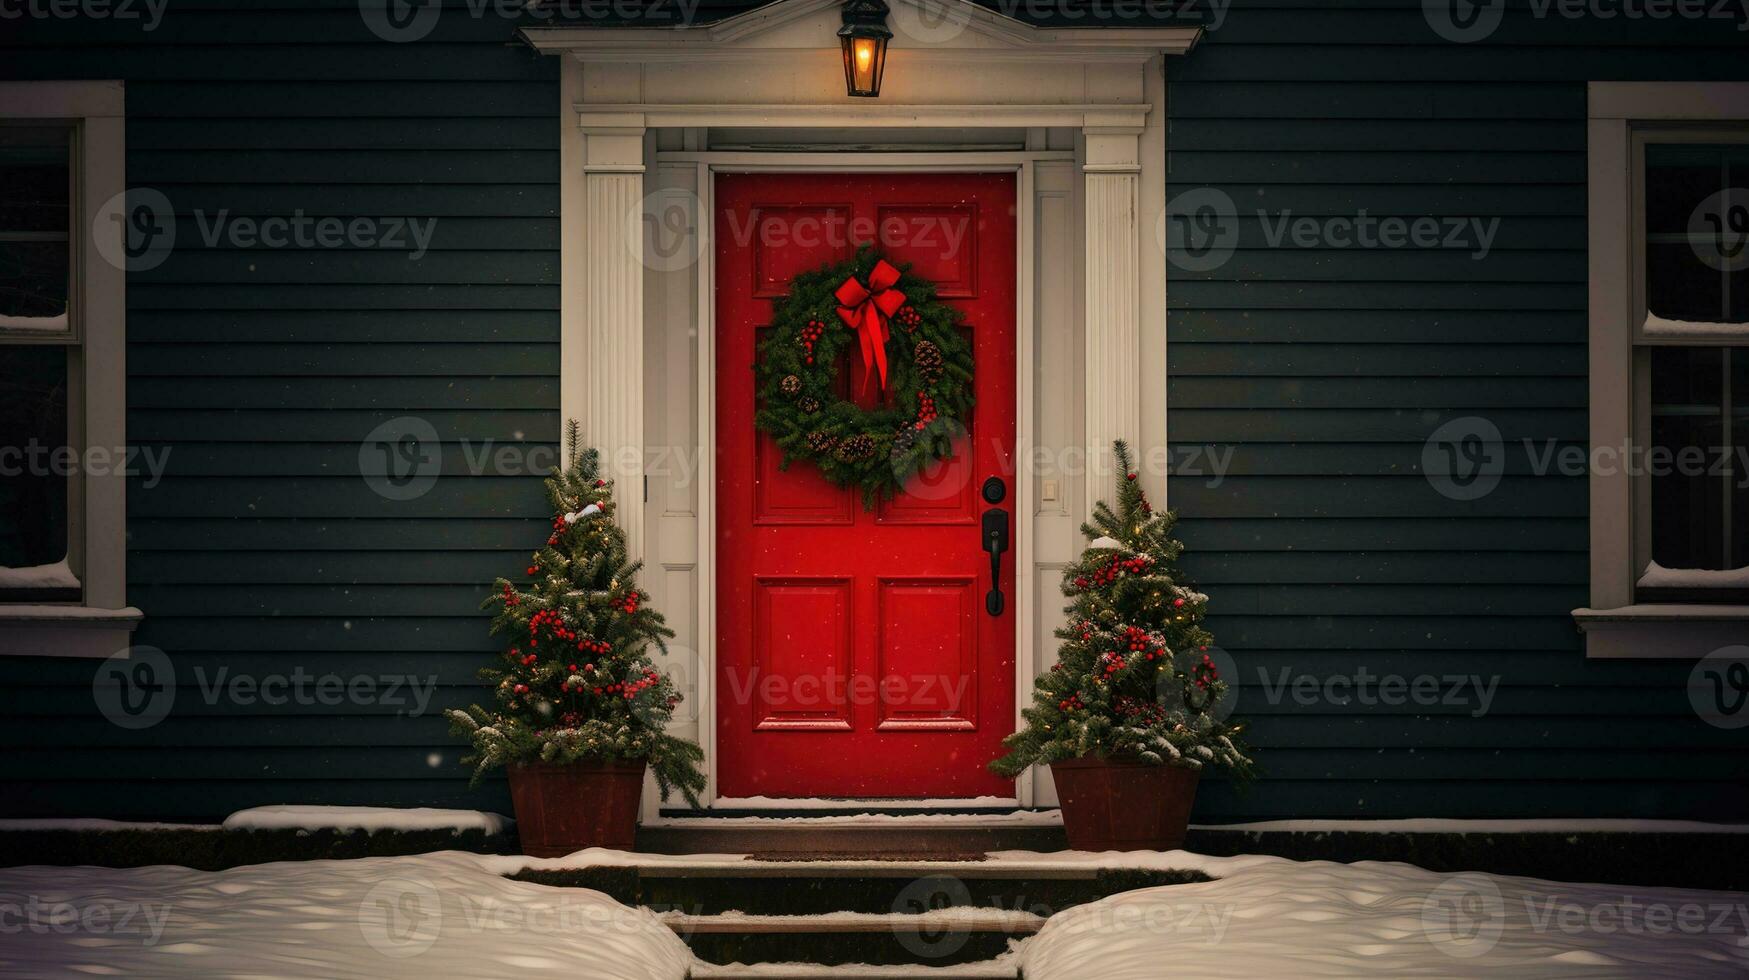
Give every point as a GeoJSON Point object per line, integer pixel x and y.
{"type": "Point", "coordinates": [1661, 631]}
{"type": "Point", "coordinates": [66, 631]}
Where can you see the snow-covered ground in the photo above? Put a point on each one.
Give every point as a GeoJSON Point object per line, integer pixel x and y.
{"type": "Point", "coordinates": [454, 915]}
{"type": "Point", "coordinates": [436, 915]}
{"type": "Point", "coordinates": [1270, 917]}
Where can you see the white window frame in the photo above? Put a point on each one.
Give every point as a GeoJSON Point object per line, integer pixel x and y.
{"type": "Point", "coordinates": [1619, 115]}
{"type": "Point", "coordinates": [101, 623]}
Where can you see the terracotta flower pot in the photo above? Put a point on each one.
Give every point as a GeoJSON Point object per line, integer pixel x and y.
{"type": "Point", "coordinates": [1111, 805]}
{"type": "Point", "coordinates": [560, 809]}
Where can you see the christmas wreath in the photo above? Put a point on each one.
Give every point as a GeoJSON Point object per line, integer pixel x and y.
{"type": "Point", "coordinates": [912, 348]}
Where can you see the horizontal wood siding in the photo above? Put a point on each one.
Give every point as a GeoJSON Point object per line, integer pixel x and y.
{"type": "Point", "coordinates": [1324, 370]}
{"type": "Point", "coordinates": [263, 552]}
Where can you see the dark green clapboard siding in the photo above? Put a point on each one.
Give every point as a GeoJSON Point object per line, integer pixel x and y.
{"type": "Point", "coordinates": [256, 373]}
{"type": "Point", "coordinates": [1317, 374]}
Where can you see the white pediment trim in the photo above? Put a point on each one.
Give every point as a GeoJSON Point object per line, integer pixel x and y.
{"type": "Point", "coordinates": [1100, 119]}
{"type": "Point", "coordinates": [977, 28]}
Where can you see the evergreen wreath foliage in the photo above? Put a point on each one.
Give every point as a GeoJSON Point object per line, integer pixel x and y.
{"type": "Point", "coordinates": [1134, 680]}
{"type": "Point", "coordinates": [577, 682]}
{"type": "Point", "coordinates": [804, 403]}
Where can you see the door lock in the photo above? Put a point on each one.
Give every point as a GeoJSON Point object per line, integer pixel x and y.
{"type": "Point", "coordinates": [995, 542]}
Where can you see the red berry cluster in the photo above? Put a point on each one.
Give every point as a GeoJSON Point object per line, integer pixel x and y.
{"type": "Point", "coordinates": [553, 621]}
{"type": "Point", "coordinates": [925, 409]}
{"type": "Point", "coordinates": [1138, 640]}
{"type": "Point", "coordinates": [1071, 703]}
{"type": "Point", "coordinates": [1113, 662]}
{"type": "Point", "coordinates": [593, 646]}
{"type": "Point", "coordinates": [559, 527]}
{"type": "Point", "coordinates": [811, 334]}
{"type": "Point", "coordinates": [631, 603]}
{"type": "Point", "coordinates": [1204, 673]}
{"type": "Point", "coordinates": [1149, 712]}
{"type": "Point", "coordinates": [510, 597]}
{"type": "Point", "coordinates": [630, 689]}
{"type": "Point", "coordinates": [909, 318]}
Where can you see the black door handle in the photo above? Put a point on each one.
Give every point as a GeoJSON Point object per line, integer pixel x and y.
{"type": "Point", "coordinates": [995, 542]}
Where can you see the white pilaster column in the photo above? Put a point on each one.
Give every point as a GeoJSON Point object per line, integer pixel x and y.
{"type": "Point", "coordinates": [1112, 169]}
{"type": "Point", "coordinates": [603, 346]}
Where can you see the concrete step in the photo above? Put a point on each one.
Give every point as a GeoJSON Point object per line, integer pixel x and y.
{"type": "Point", "coordinates": [1003, 969]}
{"type": "Point", "coordinates": [868, 836]}
{"type": "Point", "coordinates": [941, 937]}
{"type": "Point", "coordinates": [863, 887]}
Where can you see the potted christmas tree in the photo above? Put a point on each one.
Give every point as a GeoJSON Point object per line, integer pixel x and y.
{"type": "Point", "coordinates": [1128, 717]}
{"type": "Point", "coordinates": [581, 708]}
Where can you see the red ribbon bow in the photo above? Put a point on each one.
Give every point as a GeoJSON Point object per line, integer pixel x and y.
{"type": "Point", "coordinates": [866, 310]}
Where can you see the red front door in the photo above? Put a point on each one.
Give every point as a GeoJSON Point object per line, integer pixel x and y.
{"type": "Point", "coordinates": [855, 656]}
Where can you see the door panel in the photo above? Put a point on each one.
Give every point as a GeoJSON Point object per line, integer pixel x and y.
{"type": "Point", "coordinates": [855, 655]}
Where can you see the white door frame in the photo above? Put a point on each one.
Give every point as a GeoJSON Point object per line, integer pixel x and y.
{"type": "Point", "coordinates": [637, 99]}
{"type": "Point", "coordinates": [709, 165]}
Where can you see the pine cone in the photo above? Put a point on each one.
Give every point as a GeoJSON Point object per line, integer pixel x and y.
{"type": "Point", "coordinates": [808, 404]}
{"type": "Point", "coordinates": [790, 385]}
{"type": "Point", "coordinates": [821, 442]}
{"type": "Point", "coordinates": [929, 361]}
{"type": "Point", "coordinates": [856, 448]}
{"type": "Point", "coordinates": [903, 440]}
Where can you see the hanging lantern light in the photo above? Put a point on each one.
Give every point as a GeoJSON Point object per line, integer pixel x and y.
{"type": "Point", "coordinates": [864, 38]}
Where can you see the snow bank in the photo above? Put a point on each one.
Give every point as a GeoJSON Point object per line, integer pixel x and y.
{"type": "Point", "coordinates": [435, 915]}
{"type": "Point", "coordinates": [366, 818]}
{"type": "Point", "coordinates": [1446, 825]}
{"type": "Point", "coordinates": [1277, 918]}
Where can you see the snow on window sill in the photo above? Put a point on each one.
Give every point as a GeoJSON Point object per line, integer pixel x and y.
{"type": "Point", "coordinates": [57, 576]}
{"type": "Point", "coordinates": [1657, 326]}
{"type": "Point", "coordinates": [1659, 577]}
{"type": "Point", "coordinates": [66, 630]}
{"type": "Point", "coordinates": [36, 324]}
{"type": "Point", "coordinates": [1661, 631]}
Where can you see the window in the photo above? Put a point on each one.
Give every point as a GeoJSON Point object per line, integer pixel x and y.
{"type": "Point", "coordinates": [1693, 513]}
{"type": "Point", "coordinates": [36, 278]}
{"type": "Point", "coordinates": [62, 370]}
{"type": "Point", "coordinates": [1668, 221]}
